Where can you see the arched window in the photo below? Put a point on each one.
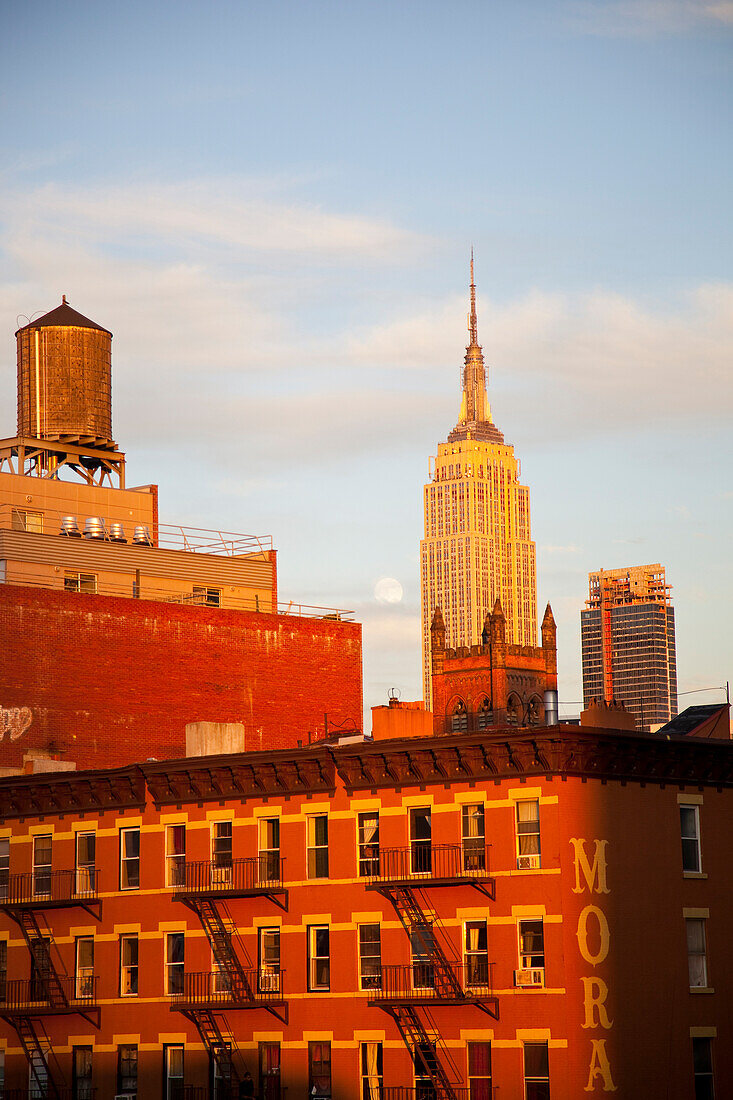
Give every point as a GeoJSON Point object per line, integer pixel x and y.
{"type": "Point", "coordinates": [513, 710]}
{"type": "Point", "coordinates": [485, 714]}
{"type": "Point", "coordinates": [459, 718]}
{"type": "Point", "coordinates": [534, 711]}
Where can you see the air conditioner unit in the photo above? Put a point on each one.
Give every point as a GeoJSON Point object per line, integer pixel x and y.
{"type": "Point", "coordinates": [126, 1096]}
{"type": "Point", "coordinates": [527, 863]}
{"type": "Point", "coordinates": [533, 976]}
{"type": "Point", "coordinates": [269, 982]}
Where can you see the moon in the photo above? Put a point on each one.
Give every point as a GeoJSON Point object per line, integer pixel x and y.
{"type": "Point", "coordinates": [388, 590]}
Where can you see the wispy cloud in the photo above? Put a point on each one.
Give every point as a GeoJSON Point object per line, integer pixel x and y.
{"type": "Point", "coordinates": [637, 18]}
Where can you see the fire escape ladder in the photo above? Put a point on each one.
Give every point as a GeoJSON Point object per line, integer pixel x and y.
{"type": "Point", "coordinates": [40, 946]}
{"type": "Point", "coordinates": [221, 1051]}
{"type": "Point", "coordinates": [414, 919]}
{"type": "Point", "coordinates": [222, 948]}
{"type": "Point", "coordinates": [36, 1045]}
{"type": "Point", "coordinates": [422, 1048]}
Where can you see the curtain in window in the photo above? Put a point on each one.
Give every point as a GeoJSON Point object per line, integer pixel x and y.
{"type": "Point", "coordinates": [528, 828]}
{"type": "Point", "coordinates": [371, 1060]}
{"type": "Point", "coordinates": [370, 828]}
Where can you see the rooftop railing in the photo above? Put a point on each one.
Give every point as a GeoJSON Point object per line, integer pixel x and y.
{"type": "Point", "coordinates": [261, 874]}
{"type": "Point", "coordinates": [94, 585]}
{"type": "Point", "coordinates": [45, 889]}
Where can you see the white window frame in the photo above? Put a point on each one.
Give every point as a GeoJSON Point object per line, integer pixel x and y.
{"type": "Point", "coordinates": [174, 966]}
{"type": "Point", "coordinates": [129, 970]}
{"type": "Point", "coordinates": [128, 862]}
{"type": "Point", "coordinates": [314, 986]}
{"type": "Point", "coordinates": [691, 838]}
{"type": "Point", "coordinates": [315, 852]}
{"type": "Point", "coordinates": [84, 970]}
{"type": "Point", "coordinates": [531, 857]}
{"type": "Point", "coordinates": [175, 862]}
{"type": "Point", "coordinates": [697, 959]}
{"type": "Point", "coordinates": [269, 959]}
{"type": "Point", "coordinates": [86, 870]}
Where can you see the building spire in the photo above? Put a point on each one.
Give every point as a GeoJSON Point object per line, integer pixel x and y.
{"type": "Point", "coordinates": [472, 322]}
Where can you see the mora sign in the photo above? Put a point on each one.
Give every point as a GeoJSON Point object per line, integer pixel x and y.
{"type": "Point", "coordinates": [594, 943]}
{"type": "Point", "coordinates": [14, 721]}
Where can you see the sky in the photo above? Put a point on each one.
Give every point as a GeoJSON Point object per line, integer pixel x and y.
{"type": "Point", "coordinates": [271, 206]}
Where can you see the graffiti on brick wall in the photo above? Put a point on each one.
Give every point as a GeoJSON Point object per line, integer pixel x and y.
{"type": "Point", "coordinates": [14, 721]}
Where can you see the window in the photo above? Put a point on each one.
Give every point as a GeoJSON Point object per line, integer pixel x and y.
{"type": "Point", "coordinates": [319, 958]}
{"type": "Point", "coordinates": [690, 831]}
{"type": "Point", "coordinates": [697, 963]}
{"type": "Point", "coordinates": [270, 1071]}
{"type": "Point", "coordinates": [474, 838]}
{"type": "Point", "coordinates": [528, 834]}
{"type": "Point", "coordinates": [209, 597]}
{"type": "Point", "coordinates": [531, 945]}
{"type": "Point", "coordinates": [27, 521]}
{"type": "Point", "coordinates": [513, 710]}
{"type": "Point", "coordinates": [41, 865]}
{"type": "Point", "coordinates": [82, 1073]}
{"type": "Point", "coordinates": [221, 1072]}
{"type": "Point", "coordinates": [702, 1060]}
{"type": "Point", "coordinates": [4, 867]}
{"type": "Point", "coordinates": [459, 718]}
{"type": "Point", "coordinates": [319, 1071]}
{"type": "Point", "coordinates": [485, 715]}
{"type": "Point", "coordinates": [536, 1072]}
{"type": "Point", "coordinates": [173, 1068]}
{"type": "Point", "coordinates": [128, 966]}
{"type": "Point", "coordinates": [86, 877]}
{"type": "Point", "coordinates": [421, 861]}
{"type": "Point", "coordinates": [37, 1077]}
{"type": "Point", "coordinates": [269, 967]}
{"type": "Point", "coordinates": [175, 855]}
{"type": "Point", "coordinates": [368, 844]}
{"type": "Point", "coordinates": [127, 1069]}
{"type": "Point", "coordinates": [221, 851]}
{"type": "Point", "coordinates": [318, 846]}
{"type": "Point", "coordinates": [370, 956]}
{"type": "Point", "coordinates": [477, 953]}
{"type": "Point", "coordinates": [85, 967]}
{"type": "Point", "coordinates": [174, 965]}
{"type": "Point", "coordinates": [129, 859]}
{"type": "Point", "coordinates": [425, 1061]}
{"type": "Point", "coordinates": [81, 582]}
{"type": "Point", "coordinates": [422, 949]}
{"type": "Point", "coordinates": [371, 1071]}
{"type": "Point", "coordinates": [479, 1071]}
{"type": "Point", "coordinates": [40, 968]}
{"type": "Point", "coordinates": [269, 840]}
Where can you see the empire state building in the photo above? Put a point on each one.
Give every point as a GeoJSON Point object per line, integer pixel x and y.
{"type": "Point", "coordinates": [477, 546]}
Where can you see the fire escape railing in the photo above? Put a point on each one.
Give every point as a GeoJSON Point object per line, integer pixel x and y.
{"type": "Point", "coordinates": [425, 864]}
{"type": "Point", "coordinates": [45, 889]}
{"type": "Point", "coordinates": [218, 990]}
{"type": "Point", "coordinates": [425, 982]}
{"type": "Point", "coordinates": [259, 875]}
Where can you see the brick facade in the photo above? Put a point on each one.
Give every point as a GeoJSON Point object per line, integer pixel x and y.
{"type": "Point", "coordinates": [109, 680]}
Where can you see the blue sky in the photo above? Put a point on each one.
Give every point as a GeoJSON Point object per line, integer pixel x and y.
{"type": "Point", "coordinates": [271, 206]}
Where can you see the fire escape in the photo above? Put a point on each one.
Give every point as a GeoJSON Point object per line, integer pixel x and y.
{"type": "Point", "coordinates": [407, 993]}
{"type": "Point", "coordinates": [24, 1004]}
{"type": "Point", "coordinates": [205, 887]}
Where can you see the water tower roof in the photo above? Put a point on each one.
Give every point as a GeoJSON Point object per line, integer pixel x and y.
{"type": "Point", "coordinates": [64, 315]}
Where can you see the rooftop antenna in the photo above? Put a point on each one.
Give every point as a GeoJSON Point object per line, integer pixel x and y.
{"type": "Point", "coordinates": [472, 323]}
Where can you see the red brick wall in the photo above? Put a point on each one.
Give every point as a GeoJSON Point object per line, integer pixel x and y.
{"type": "Point", "coordinates": [110, 681]}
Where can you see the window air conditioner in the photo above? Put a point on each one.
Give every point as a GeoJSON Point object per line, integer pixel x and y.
{"type": "Point", "coordinates": [527, 863]}
{"type": "Point", "coordinates": [126, 1096]}
{"type": "Point", "coordinates": [269, 982]}
{"type": "Point", "coordinates": [533, 976]}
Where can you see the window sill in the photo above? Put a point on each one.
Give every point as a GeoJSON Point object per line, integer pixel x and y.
{"type": "Point", "coordinates": [701, 989]}
{"type": "Point", "coordinates": [694, 874]}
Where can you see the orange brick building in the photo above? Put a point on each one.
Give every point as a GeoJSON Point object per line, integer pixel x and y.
{"type": "Point", "coordinates": [118, 629]}
{"type": "Point", "coordinates": [523, 913]}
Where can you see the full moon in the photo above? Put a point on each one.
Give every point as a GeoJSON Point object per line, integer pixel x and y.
{"type": "Point", "coordinates": [388, 590]}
